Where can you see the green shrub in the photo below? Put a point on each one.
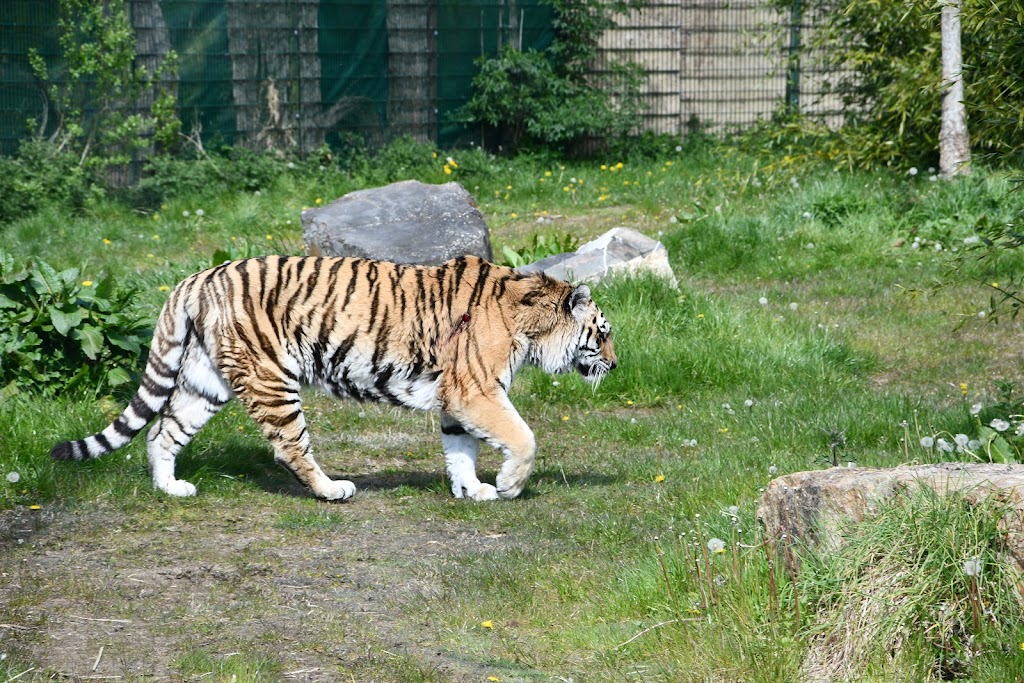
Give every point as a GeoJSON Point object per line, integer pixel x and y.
{"type": "Point", "coordinates": [40, 175]}
{"type": "Point", "coordinates": [885, 59]}
{"type": "Point", "coordinates": [541, 246]}
{"type": "Point", "coordinates": [58, 332]}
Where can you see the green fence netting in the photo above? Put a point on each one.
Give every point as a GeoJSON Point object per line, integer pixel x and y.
{"type": "Point", "coordinates": [288, 73]}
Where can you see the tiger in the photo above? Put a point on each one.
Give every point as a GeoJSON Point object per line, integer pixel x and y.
{"type": "Point", "coordinates": [445, 338]}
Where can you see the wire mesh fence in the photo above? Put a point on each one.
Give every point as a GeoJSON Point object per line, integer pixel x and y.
{"type": "Point", "coordinates": [294, 74]}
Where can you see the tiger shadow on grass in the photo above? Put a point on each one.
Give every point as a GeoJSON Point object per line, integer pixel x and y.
{"type": "Point", "coordinates": [256, 467]}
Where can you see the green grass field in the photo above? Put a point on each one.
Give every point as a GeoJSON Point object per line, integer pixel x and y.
{"type": "Point", "coordinates": [807, 305]}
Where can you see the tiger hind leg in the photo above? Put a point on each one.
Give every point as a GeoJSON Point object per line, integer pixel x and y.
{"type": "Point", "coordinates": [198, 394]}
{"type": "Point", "coordinates": [275, 404]}
{"type": "Point", "coordinates": [460, 451]}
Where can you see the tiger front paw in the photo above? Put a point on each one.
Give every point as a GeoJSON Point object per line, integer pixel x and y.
{"type": "Point", "coordinates": [340, 489]}
{"type": "Point", "coordinates": [486, 492]}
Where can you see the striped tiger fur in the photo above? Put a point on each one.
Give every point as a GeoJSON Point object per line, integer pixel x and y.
{"type": "Point", "coordinates": [446, 338]}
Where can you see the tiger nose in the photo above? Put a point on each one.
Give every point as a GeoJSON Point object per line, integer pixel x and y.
{"type": "Point", "coordinates": [615, 364]}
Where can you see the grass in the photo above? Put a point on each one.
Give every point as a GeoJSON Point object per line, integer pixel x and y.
{"type": "Point", "coordinates": [803, 308]}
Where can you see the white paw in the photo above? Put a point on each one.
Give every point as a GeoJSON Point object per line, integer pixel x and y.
{"type": "Point", "coordinates": [486, 492]}
{"type": "Point", "coordinates": [340, 489]}
{"type": "Point", "coordinates": [178, 487]}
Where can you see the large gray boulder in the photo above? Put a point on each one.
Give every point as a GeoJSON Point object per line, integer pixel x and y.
{"type": "Point", "coordinates": [618, 251]}
{"type": "Point", "coordinates": [405, 222]}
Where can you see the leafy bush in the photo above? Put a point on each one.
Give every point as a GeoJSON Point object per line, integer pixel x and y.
{"type": "Point", "coordinates": [41, 175]}
{"type": "Point", "coordinates": [550, 98]}
{"type": "Point", "coordinates": [96, 83]}
{"type": "Point", "coordinates": [885, 59]}
{"type": "Point", "coordinates": [540, 247]}
{"type": "Point", "coordinates": [59, 333]}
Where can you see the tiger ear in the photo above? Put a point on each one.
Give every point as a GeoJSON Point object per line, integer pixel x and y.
{"type": "Point", "coordinates": [578, 301]}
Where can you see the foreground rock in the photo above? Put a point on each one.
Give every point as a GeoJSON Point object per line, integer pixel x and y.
{"type": "Point", "coordinates": [406, 222]}
{"type": "Point", "coordinates": [819, 507]}
{"type": "Point", "coordinates": [618, 251]}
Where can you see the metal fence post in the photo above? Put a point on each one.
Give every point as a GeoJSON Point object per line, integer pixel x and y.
{"type": "Point", "coordinates": [796, 12]}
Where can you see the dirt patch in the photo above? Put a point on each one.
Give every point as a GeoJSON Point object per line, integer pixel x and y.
{"type": "Point", "coordinates": [104, 593]}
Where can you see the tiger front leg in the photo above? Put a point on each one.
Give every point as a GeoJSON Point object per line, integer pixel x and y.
{"type": "Point", "coordinates": [460, 451]}
{"type": "Point", "coordinates": [494, 419]}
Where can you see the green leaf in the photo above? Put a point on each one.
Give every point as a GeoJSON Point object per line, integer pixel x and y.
{"type": "Point", "coordinates": [92, 340]}
{"type": "Point", "coordinates": [46, 280]}
{"type": "Point", "coordinates": [118, 376]}
{"type": "Point", "coordinates": [106, 288]}
{"type": "Point", "coordinates": [63, 322]}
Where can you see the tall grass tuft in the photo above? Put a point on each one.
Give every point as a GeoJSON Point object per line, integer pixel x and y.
{"type": "Point", "coordinates": [924, 589]}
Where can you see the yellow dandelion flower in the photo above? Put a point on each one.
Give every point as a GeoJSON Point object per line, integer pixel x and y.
{"type": "Point", "coordinates": [163, 288]}
{"type": "Point", "coordinates": [270, 237]}
{"type": "Point", "coordinates": [163, 207]}
{"type": "Point", "coordinates": [156, 216]}
{"type": "Point", "coordinates": [604, 167]}
{"type": "Point", "coordinates": [618, 165]}
{"type": "Point", "coordinates": [700, 316]}
{"type": "Point", "coordinates": [319, 201]}
{"type": "Point", "coordinates": [451, 162]}
{"type": "Point", "coordinates": [602, 197]}
{"type": "Point", "coordinates": [668, 163]}
{"type": "Point", "coordinates": [507, 195]}
{"type": "Point", "coordinates": [433, 154]}
{"type": "Point", "coordinates": [35, 507]}
{"type": "Point", "coordinates": [963, 388]}
{"type": "Point", "coordinates": [565, 418]}
{"type": "Point", "coordinates": [629, 403]}
{"type": "Point", "coordinates": [149, 255]}
{"type": "Point", "coordinates": [87, 283]}
{"type": "Point", "coordinates": [156, 237]}
{"type": "Point", "coordinates": [492, 678]}
{"type": "Point", "coordinates": [996, 285]}
{"type": "Point", "coordinates": [508, 187]}
{"type": "Point", "coordinates": [106, 241]}
{"type": "Point", "coordinates": [447, 169]}
{"type": "Point", "coordinates": [515, 215]}
{"type": "Point", "coordinates": [487, 624]}
{"type": "Point", "coordinates": [659, 478]}
{"type": "Point", "coordinates": [679, 406]}
{"type": "Point", "coordinates": [547, 174]}
{"type": "Point", "coordinates": [565, 189]}
{"type": "Point", "coordinates": [723, 430]}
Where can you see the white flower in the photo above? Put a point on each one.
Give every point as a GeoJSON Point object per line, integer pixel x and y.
{"type": "Point", "coordinates": [554, 382]}
{"type": "Point", "coordinates": [972, 567]}
{"type": "Point", "coordinates": [999, 425]}
{"type": "Point", "coordinates": [807, 214]}
{"type": "Point", "coordinates": [982, 314]}
{"type": "Point", "coordinates": [13, 477]}
{"type": "Point", "coordinates": [186, 213]}
{"type": "Point", "coordinates": [961, 440]}
{"type": "Point", "coordinates": [773, 470]}
{"type": "Point", "coordinates": [749, 403]}
{"type": "Point", "coordinates": [673, 219]}
{"type": "Point", "coordinates": [716, 545]}
{"type": "Point", "coordinates": [927, 442]}
{"type": "Point", "coordinates": [793, 306]}
{"type": "Point", "coordinates": [734, 510]}
{"type": "Point", "coordinates": [200, 212]}
{"type": "Point", "coordinates": [912, 171]}
{"type": "Point", "coordinates": [1020, 429]}
{"type": "Point", "coordinates": [944, 446]}
{"type": "Point", "coordinates": [938, 246]}
{"type": "Point", "coordinates": [973, 239]}
{"type": "Point", "coordinates": [763, 301]}
{"type": "Point", "coordinates": [973, 445]}
{"type": "Point", "coordinates": [689, 443]}
{"type": "Point", "coordinates": [679, 148]}
{"type": "Point", "coordinates": [809, 245]}
{"type": "Point", "coordinates": [975, 409]}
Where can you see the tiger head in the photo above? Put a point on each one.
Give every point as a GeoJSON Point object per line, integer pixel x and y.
{"type": "Point", "coordinates": [580, 338]}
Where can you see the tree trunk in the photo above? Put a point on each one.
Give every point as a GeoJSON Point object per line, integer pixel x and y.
{"type": "Point", "coordinates": [954, 145]}
{"type": "Point", "coordinates": [275, 69]}
{"type": "Point", "coordinates": [412, 93]}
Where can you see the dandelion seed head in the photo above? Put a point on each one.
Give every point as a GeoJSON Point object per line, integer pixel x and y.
{"type": "Point", "coordinates": [961, 440]}
{"type": "Point", "coordinates": [13, 477]}
{"type": "Point", "coordinates": [716, 545]}
{"type": "Point", "coordinates": [975, 409]}
{"type": "Point", "coordinates": [999, 425]}
{"type": "Point", "coordinates": [972, 567]}
{"type": "Point", "coordinates": [773, 470]}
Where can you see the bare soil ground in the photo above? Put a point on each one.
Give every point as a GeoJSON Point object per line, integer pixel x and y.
{"type": "Point", "coordinates": [322, 592]}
